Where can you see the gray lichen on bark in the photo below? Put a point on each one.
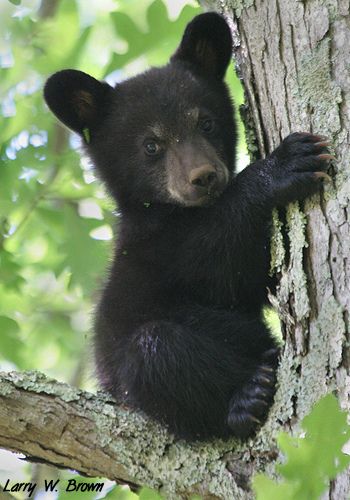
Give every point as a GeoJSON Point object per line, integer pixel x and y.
{"type": "Point", "coordinates": [64, 426]}
{"type": "Point", "coordinates": [293, 58]}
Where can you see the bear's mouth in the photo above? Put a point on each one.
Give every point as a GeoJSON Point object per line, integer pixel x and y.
{"type": "Point", "coordinates": [202, 201]}
{"type": "Point", "coordinates": [191, 196]}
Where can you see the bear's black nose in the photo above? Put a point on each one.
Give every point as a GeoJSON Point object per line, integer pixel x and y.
{"type": "Point", "coordinates": [203, 177]}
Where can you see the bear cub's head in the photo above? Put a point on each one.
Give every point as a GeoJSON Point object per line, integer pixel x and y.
{"type": "Point", "coordinates": [165, 136]}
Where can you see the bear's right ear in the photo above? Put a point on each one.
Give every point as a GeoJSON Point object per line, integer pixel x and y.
{"type": "Point", "coordinates": [206, 44]}
{"type": "Point", "coordinates": [77, 99]}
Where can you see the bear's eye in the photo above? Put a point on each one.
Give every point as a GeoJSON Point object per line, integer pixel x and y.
{"type": "Point", "coordinates": [207, 125]}
{"type": "Point", "coordinates": [151, 147]}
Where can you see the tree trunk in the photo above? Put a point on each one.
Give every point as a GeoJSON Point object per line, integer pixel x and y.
{"type": "Point", "coordinates": [293, 58]}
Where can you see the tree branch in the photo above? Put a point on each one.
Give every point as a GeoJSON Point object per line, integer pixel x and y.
{"type": "Point", "coordinates": [57, 424]}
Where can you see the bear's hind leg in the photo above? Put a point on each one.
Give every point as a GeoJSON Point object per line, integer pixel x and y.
{"type": "Point", "coordinates": [203, 374]}
{"type": "Point", "coordinates": [250, 405]}
{"type": "Point", "coordinates": [179, 378]}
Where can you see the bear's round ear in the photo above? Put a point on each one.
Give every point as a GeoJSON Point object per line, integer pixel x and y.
{"type": "Point", "coordinates": [77, 99]}
{"type": "Point", "coordinates": [206, 44]}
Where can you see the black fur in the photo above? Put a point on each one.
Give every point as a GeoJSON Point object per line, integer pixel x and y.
{"type": "Point", "coordinates": [179, 332]}
{"type": "Point", "coordinates": [77, 99]}
{"type": "Point", "coordinates": [207, 45]}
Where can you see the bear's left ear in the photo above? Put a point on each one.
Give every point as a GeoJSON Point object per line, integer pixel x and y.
{"type": "Point", "coordinates": [77, 99]}
{"type": "Point", "coordinates": [206, 44]}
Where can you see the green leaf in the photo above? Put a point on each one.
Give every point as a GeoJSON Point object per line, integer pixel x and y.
{"type": "Point", "coordinates": [86, 134]}
{"type": "Point", "coordinates": [121, 493]}
{"type": "Point", "coordinates": [157, 11]}
{"type": "Point", "coordinates": [10, 271]}
{"type": "Point", "coordinates": [10, 343]}
{"type": "Point", "coordinates": [267, 489]}
{"type": "Point", "coordinates": [15, 2]}
{"type": "Point", "coordinates": [311, 461]}
{"type": "Point", "coordinates": [161, 30]}
{"type": "Point", "coordinates": [148, 494]}
{"type": "Point", "coordinates": [85, 256]}
{"type": "Point", "coordinates": [327, 430]}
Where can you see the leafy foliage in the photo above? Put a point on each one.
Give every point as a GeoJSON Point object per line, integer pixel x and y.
{"type": "Point", "coordinates": [310, 461]}
{"type": "Point", "coordinates": [56, 222]}
{"type": "Point", "coordinates": [161, 31]}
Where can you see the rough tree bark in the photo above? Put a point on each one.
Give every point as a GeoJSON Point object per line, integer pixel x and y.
{"type": "Point", "coordinates": [65, 427]}
{"type": "Point", "coordinates": [294, 61]}
{"type": "Point", "coordinates": [293, 58]}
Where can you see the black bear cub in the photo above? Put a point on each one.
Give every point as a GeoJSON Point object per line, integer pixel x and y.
{"type": "Point", "coordinates": [179, 331]}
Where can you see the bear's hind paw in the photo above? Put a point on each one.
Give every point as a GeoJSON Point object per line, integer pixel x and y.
{"type": "Point", "coordinates": [249, 407]}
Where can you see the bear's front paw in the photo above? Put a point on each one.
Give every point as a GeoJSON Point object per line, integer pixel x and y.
{"type": "Point", "coordinates": [249, 407]}
{"type": "Point", "coordinates": [299, 164]}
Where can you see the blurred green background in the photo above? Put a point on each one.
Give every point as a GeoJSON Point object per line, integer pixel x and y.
{"type": "Point", "coordinates": [56, 222]}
